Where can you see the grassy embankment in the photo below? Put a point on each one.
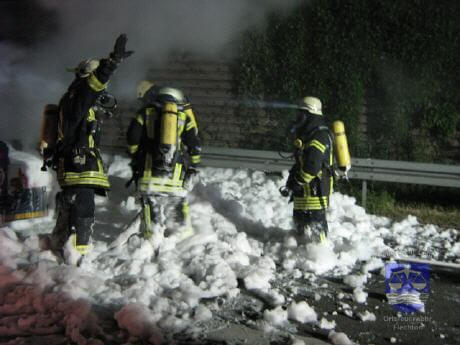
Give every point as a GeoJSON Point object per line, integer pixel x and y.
{"type": "Point", "coordinates": [431, 205]}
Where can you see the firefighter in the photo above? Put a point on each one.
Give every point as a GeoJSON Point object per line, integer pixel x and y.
{"type": "Point", "coordinates": [165, 150]}
{"type": "Point", "coordinates": [310, 180]}
{"type": "Point", "coordinates": [80, 170]}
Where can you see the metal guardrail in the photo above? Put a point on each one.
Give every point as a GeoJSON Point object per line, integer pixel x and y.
{"type": "Point", "coordinates": [362, 169]}
{"type": "Point", "coordinates": [406, 172]}
{"type": "Point", "coordinates": [247, 159]}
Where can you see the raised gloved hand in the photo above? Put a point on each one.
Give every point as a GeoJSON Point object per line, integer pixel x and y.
{"type": "Point", "coordinates": [119, 50]}
{"type": "Point", "coordinates": [191, 178]}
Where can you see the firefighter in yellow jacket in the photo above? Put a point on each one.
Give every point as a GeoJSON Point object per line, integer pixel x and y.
{"type": "Point", "coordinates": [310, 180]}
{"type": "Point", "coordinates": [77, 157]}
{"type": "Point", "coordinates": [165, 148]}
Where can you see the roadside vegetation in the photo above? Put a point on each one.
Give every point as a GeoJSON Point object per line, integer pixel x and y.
{"type": "Point", "coordinates": [431, 205]}
{"type": "Point", "coordinates": [389, 62]}
{"type": "Point", "coordinates": [382, 67]}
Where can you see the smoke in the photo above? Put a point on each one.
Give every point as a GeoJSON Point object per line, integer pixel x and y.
{"type": "Point", "coordinates": [35, 74]}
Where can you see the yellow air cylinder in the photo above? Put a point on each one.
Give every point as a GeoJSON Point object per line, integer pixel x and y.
{"type": "Point", "coordinates": [49, 128]}
{"type": "Point", "coordinates": [342, 153]}
{"type": "Point", "coordinates": [168, 135]}
{"type": "Point", "coordinates": [169, 124]}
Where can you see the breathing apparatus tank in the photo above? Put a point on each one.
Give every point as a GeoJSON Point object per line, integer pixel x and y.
{"type": "Point", "coordinates": [168, 136]}
{"type": "Point", "coordinates": [342, 154]}
{"type": "Point", "coordinates": [49, 129]}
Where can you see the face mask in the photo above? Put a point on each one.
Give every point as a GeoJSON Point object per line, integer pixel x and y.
{"type": "Point", "coordinates": [299, 123]}
{"type": "Point", "coordinates": [106, 103]}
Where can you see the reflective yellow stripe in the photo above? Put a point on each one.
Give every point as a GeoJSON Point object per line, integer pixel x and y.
{"type": "Point", "coordinates": [133, 148]}
{"type": "Point", "coordinates": [162, 181]}
{"type": "Point", "coordinates": [84, 178]}
{"type": "Point", "coordinates": [161, 184]}
{"type": "Point", "coordinates": [100, 166]}
{"type": "Point", "coordinates": [91, 117]}
{"type": "Point", "coordinates": [147, 218]}
{"type": "Point", "coordinates": [308, 208]}
{"type": "Point", "coordinates": [322, 237]}
{"type": "Point", "coordinates": [315, 143]}
{"type": "Point", "coordinates": [90, 141]}
{"type": "Point", "coordinates": [196, 159]}
{"type": "Point", "coordinates": [298, 205]}
{"type": "Point", "coordinates": [148, 186]}
{"type": "Point", "coordinates": [140, 119]}
{"type": "Point", "coordinates": [310, 199]}
{"type": "Point", "coordinates": [181, 123]}
{"type": "Point", "coordinates": [95, 84]}
{"type": "Point", "coordinates": [177, 172]}
{"type": "Point", "coordinates": [187, 218]}
{"type": "Point", "coordinates": [83, 249]}
{"type": "Point", "coordinates": [148, 166]}
{"type": "Point", "coordinates": [147, 233]}
{"type": "Point", "coordinates": [306, 177]}
{"type": "Point", "coordinates": [85, 181]}
{"type": "Point", "coordinates": [175, 181]}
{"type": "Point", "coordinates": [191, 116]}
{"type": "Point", "coordinates": [310, 203]}
{"type": "Point", "coordinates": [92, 174]}
{"type": "Point", "coordinates": [186, 210]}
{"type": "Point", "coordinates": [25, 215]}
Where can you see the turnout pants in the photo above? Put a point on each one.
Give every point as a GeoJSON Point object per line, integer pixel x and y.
{"type": "Point", "coordinates": [166, 214]}
{"type": "Point", "coordinates": [311, 225]}
{"type": "Point", "coordinates": [75, 218]}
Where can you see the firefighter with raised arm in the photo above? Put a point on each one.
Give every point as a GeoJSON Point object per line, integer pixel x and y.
{"type": "Point", "coordinates": [76, 155]}
{"type": "Point", "coordinates": [165, 149]}
{"type": "Point", "coordinates": [310, 180]}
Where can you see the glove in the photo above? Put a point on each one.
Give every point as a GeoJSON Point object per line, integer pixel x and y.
{"type": "Point", "coordinates": [342, 172]}
{"type": "Point", "coordinates": [119, 50]}
{"type": "Point", "coordinates": [293, 185]}
{"type": "Point", "coordinates": [284, 191]}
{"type": "Point", "coordinates": [191, 178]}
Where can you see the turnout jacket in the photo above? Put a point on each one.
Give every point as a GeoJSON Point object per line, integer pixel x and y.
{"type": "Point", "coordinates": [314, 168]}
{"type": "Point", "coordinates": [79, 131]}
{"type": "Point", "coordinates": [144, 146]}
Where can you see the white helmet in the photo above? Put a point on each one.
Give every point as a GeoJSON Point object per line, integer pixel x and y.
{"type": "Point", "coordinates": [85, 68]}
{"type": "Point", "coordinates": [143, 87]}
{"type": "Point", "coordinates": [311, 104]}
{"type": "Point", "coordinates": [172, 94]}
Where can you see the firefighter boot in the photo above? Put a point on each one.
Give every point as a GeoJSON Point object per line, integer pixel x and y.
{"type": "Point", "coordinates": [147, 224]}
{"type": "Point", "coordinates": [316, 232]}
{"type": "Point", "coordinates": [179, 223]}
{"type": "Point", "coordinates": [311, 226]}
{"type": "Point", "coordinates": [61, 231]}
{"type": "Point", "coordinates": [79, 243]}
{"type": "Point", "coordinates": [83, 232]}
{"type": "Point", "coordinates": [186, 230]}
